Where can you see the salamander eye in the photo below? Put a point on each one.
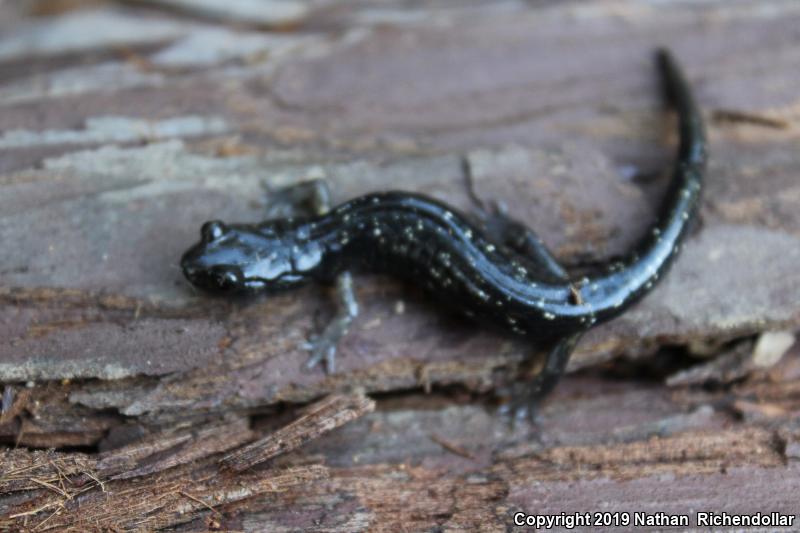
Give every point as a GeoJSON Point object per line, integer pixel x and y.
{"type": "Point", "coordinates": [212, 230]}
{"type": "Point", "coordinates": [226, 278]}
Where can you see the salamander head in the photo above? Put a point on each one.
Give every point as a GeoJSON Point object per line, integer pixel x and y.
{"type": "Point", "coordinates": [249, 258]}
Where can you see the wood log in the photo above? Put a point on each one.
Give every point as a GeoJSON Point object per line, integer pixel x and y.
{"type": "Point", "coordinates": [131, 402]}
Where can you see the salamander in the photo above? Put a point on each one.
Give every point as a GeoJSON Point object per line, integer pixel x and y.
{"type": "Point", "coordinates": [492, 269]}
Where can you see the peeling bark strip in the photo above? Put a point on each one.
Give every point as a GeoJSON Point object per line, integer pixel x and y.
{"type": "Point", "coordinates": [321, 417]}
{"type": "Point", "coordinates": [19, 468]}
{"type": "Point", "coordinates": [177, 476]}
{"type": "Point", "coordinates": [690, 453]}
{"type": "Point", "coordinates": [163, 452]}
{"type": "Point", "coordinates": [155, 502]}
{"type": "Point", "coordinates": [386, 497]}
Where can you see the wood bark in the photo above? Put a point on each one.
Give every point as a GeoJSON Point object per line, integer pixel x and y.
{"type": "Point", "coordinates": [131, 402]}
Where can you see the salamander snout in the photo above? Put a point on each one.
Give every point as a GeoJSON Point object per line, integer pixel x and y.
{"type": "Point", "coordinates": [211, 264]}
{"type": "Point", "coordinates": [247, 259]}
{"type": "Point", "coordinates": [218, 278]}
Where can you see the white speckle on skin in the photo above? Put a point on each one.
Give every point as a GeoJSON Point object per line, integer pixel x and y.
{"type": "Point", "coordinates": [480, 294]}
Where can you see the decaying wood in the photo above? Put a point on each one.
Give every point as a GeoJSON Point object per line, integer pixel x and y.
{"type": "Point", "coordinates": [125, 125]}
{"type": "Point", "coordinates": [176, 475]}
{"type": "Point", "coordinates": [323, 417]}
{"type": "Point", "coordinates": [369, 483]}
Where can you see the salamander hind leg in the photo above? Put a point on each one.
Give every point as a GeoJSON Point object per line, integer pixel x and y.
{"type": "Point", "coordinates": [517, 237]}
{"type": "Point", "coordinates": [511, 233]}
{"type": "Point", "coordinates": [525, 396]}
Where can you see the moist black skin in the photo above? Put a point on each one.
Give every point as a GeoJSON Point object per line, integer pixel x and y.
{"type": "Point", "coordinates": [504, 278]}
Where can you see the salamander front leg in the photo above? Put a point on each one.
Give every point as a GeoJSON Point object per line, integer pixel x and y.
{"type": "Point", "coordinates": [307, 199]}
{"type": "Point", "coordinates": [525, 396]}
{"type": "Point", "coordinates": [324, 346]}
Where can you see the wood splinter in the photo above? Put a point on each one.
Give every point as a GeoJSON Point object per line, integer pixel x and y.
{"type": "Point", "coordinates": [320, 418]}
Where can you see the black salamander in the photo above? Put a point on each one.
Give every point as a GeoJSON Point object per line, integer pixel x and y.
{"type": "Point", "coordinates": [496, 271]}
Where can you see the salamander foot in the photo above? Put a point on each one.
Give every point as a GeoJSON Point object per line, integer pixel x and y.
{"type": "Point", "coordinates": [323, 346]}
{"type": "Point", "coordinates": [521, 406]}
{"type": "Point", "coordinates": [525, 396]}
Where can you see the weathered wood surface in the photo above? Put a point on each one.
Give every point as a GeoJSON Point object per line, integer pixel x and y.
{"type": "Point", "coordinates": [125, 125]}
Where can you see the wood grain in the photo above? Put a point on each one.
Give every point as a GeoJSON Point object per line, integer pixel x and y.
{"type": "Point", "coordinates": [130, 400]}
